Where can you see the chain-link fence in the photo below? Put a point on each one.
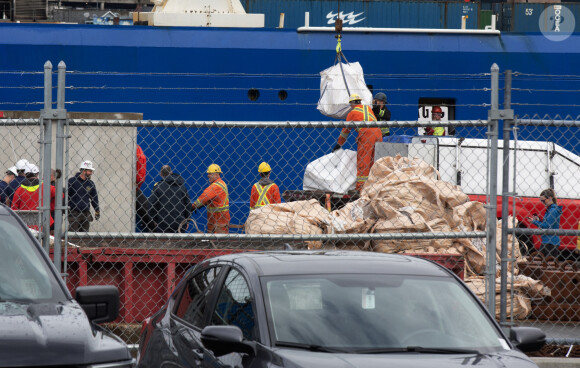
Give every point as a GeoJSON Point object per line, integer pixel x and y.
{"type": "Point", "coordinates": [140, 220]}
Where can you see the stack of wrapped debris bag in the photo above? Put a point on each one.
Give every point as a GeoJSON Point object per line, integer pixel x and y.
{"type": "Point", "coordinates": [301, 217]}
{"type": "Point", "coordinates": [404, 195]}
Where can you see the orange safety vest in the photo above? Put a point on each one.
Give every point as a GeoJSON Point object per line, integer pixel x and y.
{"type": "Point", "coordinates": [217, 200]}
{"type": "Point", "coordinates": [263, 195]}
{"type": "Point", "coordinates": [359, 113]}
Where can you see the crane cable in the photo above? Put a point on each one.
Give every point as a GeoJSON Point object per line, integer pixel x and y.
{"type": "Point", "coordinates": [339, 54]}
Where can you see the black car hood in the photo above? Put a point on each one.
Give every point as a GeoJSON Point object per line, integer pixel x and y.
{"type": "Point", "coordinates": [301, 358]}
{"type": "Point", "coordinates": [54, 334]}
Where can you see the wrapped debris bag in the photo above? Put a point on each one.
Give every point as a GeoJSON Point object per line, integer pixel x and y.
{"type": "Point", "coordinates": [355, 217]}
{"type": "Point", "coordinates": [300, 217]}
{"type": "Point", "coordinates": [522, 305]}
{"type": "Point", "coordinates": [334, 93]}
{"type": "Point", "coordinates": [335, 172]}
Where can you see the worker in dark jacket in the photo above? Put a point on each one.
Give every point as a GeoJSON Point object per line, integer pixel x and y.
{"type": "Point", "coordinates": [382, 113]}
{"type": "Point", "coordinates": [169, 203]}
{"type": "Point", "coordinates": [11, 173]}
{"type": "Point", "coordinates": [82, 193]}
{"type": "Point", "coordinates": [15, 184]}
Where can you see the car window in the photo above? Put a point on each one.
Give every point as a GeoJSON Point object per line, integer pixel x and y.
{"type": "Point", "coordinates": [358, 312]}
{"type": "Point", "coordinates": [234, 306]}
{"type": "Point", "coordinates": [193, 299]}
{"type": "Point", "coordinates": [25, 275]}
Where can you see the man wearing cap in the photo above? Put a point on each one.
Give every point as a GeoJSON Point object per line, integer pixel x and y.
{"type": "Point", "coordinates": [382, 113]}
{"type": "Point", "coordinates": [264, 191]}
{"type": "Point", "coordinates": [82, 193]}
{"type": "Point", "coordinates": [11, 173]}
{"type": "Point", "coordinates": [217, 200]}
{"type": "Point", "coordinates": [27, 195]}
{"type": "Point", "coordinates": [365, 140]}
{"type": "Point", "coordinates": [14, 184]}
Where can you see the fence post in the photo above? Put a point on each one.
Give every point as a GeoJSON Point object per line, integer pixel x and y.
{"type": "Point", "coordinates": [46, 139]}
{"type": "Point", "coordinates": [505, 200]}
{"type": "Point", "coordinates": [492, 191]}
{"type": "Point", "coordinates": [58, 208]}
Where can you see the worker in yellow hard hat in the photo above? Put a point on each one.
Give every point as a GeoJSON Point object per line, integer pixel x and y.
{"type": "Point", "coordinates": [265, 191]}
{"type": "Point", "coordinates": [217, 200]}
{"type": "Point", "coordinates": [365, 140]}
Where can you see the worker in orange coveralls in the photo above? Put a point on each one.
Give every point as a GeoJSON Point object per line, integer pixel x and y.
{"type": "Point", "coordinates": [217, 200]}
{"type": "Point", "coordinates": [365, 141]}
{"type": "Point", "coordinates": [264, 191]}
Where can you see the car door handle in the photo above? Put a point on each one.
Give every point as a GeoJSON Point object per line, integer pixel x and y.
{"type": "Point", "coordinates": [198, 353]}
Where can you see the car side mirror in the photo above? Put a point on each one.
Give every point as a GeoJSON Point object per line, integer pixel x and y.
{"type": "Point", "coordinates": [100, 303]}
{"type": "Point", "coordinates": [222, 340]}
{"type": "Point", "coordinates": [527, 338]}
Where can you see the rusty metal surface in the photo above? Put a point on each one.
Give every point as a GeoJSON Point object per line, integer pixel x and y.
{"type": "Point", "coordinates": [562, 278]}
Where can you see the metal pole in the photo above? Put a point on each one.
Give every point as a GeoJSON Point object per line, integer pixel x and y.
{"type": "Point", "coordinates": [46, 123]}
{"type": "Point", "coordinates": [505, 199]}
{"type": "Point", "coordinates": [492, 206]}
{"type": "Point", "coordinates": [59, 165]}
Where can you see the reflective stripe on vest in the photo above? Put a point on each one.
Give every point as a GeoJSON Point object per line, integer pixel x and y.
{"type": "Point", "coordinates": [367, 114]}
{"type": "Point", "coordinates": [33, 188]}
{"type": "Point", "coordinates": [262, 198]}
{"type": "Point", "coordinates": [226, 206]}
{"type": "Point", "coordinates": [362, 178]}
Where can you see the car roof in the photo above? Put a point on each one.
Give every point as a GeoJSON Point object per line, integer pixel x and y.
{"type": "Point", "coordinates": [272, 263]}
{"type": "Point", "coordinates": [4, 210]}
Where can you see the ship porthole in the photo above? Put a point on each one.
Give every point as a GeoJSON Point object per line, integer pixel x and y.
{"type": "Point", "coordinates": [253, 94]}
{"type": "Point", "coordinates": [282, 95]}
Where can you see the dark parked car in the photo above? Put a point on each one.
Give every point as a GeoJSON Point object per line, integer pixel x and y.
{"type": "Point", "coordinates": [327, 309]}
{"type": "Point", "coordinates": [40, 323]}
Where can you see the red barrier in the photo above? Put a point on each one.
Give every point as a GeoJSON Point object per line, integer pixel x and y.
{"type": "Point", "coordinates": [146, 277]}
{"type": "Point", "coordinates": [527, 206]}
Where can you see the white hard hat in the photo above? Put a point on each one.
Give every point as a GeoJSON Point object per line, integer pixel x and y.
{"type": "Point", "coordinates": [13, 170]}
{"type": "Point", "coordinates": [31, 169]}
{"type": "Point", "coordinates": [87, 165]}
{"type": "Point", "coordinates": [21, 164]}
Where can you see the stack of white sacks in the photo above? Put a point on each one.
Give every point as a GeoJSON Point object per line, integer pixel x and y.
{"type": "Point", "coordinates": [403, 195]}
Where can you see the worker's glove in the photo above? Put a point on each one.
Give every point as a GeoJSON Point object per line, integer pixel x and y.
{"type": "Point", "coordinates": [336, 148]}
{"type": "Point", "coordinates": [97, 215]}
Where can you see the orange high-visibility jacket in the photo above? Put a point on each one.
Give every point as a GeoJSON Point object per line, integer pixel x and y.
{"type": "Point", "coordinates": [263, 195]}
{"type": "Point", "coordinates": [217, 200]}
{"type": "Point", "coordinates": [366, 139]}
{"type": "Point", "coordinates": [26, 198]}
{"type": "Point", "coordinates": [141, 167]}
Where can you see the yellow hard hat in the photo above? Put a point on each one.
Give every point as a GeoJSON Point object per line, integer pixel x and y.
{"type": "Point", "coordinates": [264, 167]}
{"type": "Point", "coordinates": [213, 168]}
{"type": "Point", "coordinates": [354, 97]}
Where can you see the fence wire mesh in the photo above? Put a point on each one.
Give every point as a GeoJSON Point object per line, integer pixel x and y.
{"type": "Point", "coordinates": [544, 163]}
{"type": "Point", "coordinates": [424, 196]}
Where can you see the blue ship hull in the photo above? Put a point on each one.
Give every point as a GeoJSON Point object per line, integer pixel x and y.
{"type": "Point", "coordinates": [221, 65]}
{"type": "Point", "coordinates": [206, 73]}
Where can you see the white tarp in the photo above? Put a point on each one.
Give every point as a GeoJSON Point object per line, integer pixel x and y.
{"type": "Point", "coordinates": [335, 172]}
{"type": "Point", "coordinates": [334, 93]}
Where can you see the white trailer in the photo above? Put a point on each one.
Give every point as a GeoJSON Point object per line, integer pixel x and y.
{"type": "Point", "coordinates": [538, 165]}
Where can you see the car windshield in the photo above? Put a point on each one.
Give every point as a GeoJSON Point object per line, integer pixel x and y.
{"type": "Point", "coordinates": [377, 314]}
{"type": "Point", "coordinates": [24, 275]}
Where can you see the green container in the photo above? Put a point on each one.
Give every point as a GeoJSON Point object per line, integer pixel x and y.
{"type": "Point", "coordinates": [485, 18]}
